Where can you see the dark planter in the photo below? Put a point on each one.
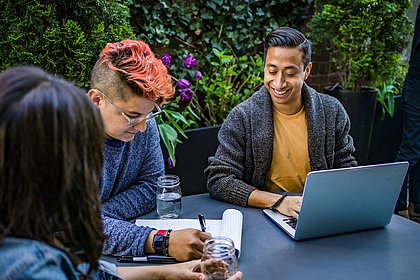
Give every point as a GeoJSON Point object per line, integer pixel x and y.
{"type": "Point", "coordinates": [191, 158]}
{"type": "Point", "coordinates": [361, 107]}
{"type": "Point", "coordinates": [386, 136]}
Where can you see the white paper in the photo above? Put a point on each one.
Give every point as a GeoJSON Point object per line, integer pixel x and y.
{"type": "Point", "coordinates": [229, 226]}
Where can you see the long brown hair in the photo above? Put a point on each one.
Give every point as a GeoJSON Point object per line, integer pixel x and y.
{"type": "Point", "coordinates": [50, 160]}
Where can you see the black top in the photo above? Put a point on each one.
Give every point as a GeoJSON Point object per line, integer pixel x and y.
{"type": "Point", "coordinates": [415, 49]}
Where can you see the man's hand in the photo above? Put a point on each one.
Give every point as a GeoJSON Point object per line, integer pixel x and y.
{"type": "Point", "coordinates": [290, 206]}
{"type": "Point", "coordinates": [187, 244]}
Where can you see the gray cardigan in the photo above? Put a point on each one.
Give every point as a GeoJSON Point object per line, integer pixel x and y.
{"type": "Point", "coordinates": [243, 158]}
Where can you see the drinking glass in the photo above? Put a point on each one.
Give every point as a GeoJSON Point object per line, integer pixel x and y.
{"type": "Point", "coordinates": [219, 261]}
{"type": "Point", "coordinates": [168, 197]}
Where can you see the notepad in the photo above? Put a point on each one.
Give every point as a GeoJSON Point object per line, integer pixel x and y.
{"type": "Point", "coordinates": [229, 226]}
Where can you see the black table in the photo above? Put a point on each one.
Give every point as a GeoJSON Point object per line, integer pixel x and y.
{"type": "Point", "coordinates": [268, 253]}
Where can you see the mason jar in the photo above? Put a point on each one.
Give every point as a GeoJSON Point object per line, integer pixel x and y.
{"type": "Point", "coordinates": [168, 197]}
{"type": "Point", "coordinates": [219, 260]}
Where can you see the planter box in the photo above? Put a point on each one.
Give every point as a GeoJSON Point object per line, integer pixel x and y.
{"type": "Point", "coordinates": [386, 136]}
{"type": "Point", "coordinates": [191, 159]}
{"type": "Point", "coordinates": [361, 108]}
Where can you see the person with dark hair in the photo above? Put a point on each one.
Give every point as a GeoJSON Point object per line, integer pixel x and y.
{"type": "Point", "coordinates": [128, 85]}
{"type": "Point", "coordinates": [269, 143]}
{"type": "Point", "coordinates": [51, 139]}
{"type": "Point", "coordinates": [409, 149]}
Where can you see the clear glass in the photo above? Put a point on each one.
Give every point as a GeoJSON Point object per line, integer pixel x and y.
{"type": "Point", "coordinates": [168, 197]}
{"type": "Point", "coordinates": [219, 260]}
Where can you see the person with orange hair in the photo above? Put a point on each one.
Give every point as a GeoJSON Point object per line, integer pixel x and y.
{"type": "Point", "coordinates": [128, 85]}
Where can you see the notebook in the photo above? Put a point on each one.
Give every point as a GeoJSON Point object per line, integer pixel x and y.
{"type": "Point", "coordinates": [229, 226]}
{"type": "Point", "coordinates": [345, 200]}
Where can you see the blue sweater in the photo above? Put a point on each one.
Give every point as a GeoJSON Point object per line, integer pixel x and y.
{"type": "Point", "coordinates": [128, 186]}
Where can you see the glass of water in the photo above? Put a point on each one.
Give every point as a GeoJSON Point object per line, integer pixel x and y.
{"type": "Point", "coordinates": [168, 197]}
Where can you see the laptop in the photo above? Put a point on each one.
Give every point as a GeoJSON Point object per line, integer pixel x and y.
{"type": "Point", "coordinates": [345, 200]}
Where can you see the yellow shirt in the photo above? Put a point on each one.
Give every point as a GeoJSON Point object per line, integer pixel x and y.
{"type": "Point", "coordinates": [290, 162]}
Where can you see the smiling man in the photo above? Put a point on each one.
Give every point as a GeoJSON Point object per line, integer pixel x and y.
{"type": "Point", "coordinates": [271, 141]}
{"type": "Point", "coordinates": [128, 85]}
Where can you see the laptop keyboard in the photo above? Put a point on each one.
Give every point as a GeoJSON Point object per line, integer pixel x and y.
{"type": "Point", "coordinates": [291, 222]}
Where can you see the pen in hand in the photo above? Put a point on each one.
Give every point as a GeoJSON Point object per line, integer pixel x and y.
{"type": "Point", "coordinates": [202, 222]}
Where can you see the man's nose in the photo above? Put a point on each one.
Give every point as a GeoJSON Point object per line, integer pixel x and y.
{"type": "Point", "coordinates": [279, 80]}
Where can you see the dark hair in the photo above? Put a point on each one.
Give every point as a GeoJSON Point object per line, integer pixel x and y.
{"type": "Point", "coordinates": [287, 37]}
{"type": "Point", "coordinates": [51, 139]}
{"type": "Point", "coordinates": [131, 64]}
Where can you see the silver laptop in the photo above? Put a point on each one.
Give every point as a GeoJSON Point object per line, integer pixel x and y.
{"type": "Point", "coordinates": [345, 200]}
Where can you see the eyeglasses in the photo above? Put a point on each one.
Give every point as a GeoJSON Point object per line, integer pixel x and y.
{"type": "Point", "coordinates": [134, 121]}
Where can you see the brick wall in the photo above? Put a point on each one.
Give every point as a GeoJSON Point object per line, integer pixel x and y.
{"type": "Point", "coordinates": [323, 73]}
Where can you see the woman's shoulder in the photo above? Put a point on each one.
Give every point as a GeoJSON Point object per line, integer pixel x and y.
{"type": "Point", "coordinates": [26, 259]}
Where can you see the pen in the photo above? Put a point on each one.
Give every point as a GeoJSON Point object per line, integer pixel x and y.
{"type": "Point", "coordinates": [202, 222]}
{"type": "Point", "coordinates": [150, 258]}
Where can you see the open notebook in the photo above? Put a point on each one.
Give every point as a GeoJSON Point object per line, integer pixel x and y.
{"type": "Point", "coordinates": [229, 226]}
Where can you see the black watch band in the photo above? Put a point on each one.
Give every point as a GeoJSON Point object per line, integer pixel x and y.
{"type": "Point", "coordinates": [275, 205]}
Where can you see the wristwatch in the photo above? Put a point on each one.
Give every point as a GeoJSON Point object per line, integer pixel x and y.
{"type": "Point", "coordinates": [159, 242]}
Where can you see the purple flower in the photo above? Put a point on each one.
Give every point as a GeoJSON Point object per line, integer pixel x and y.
{"type": "Point", "coordinates": [166, 60]}
{"type": "Point", "coordinates": [198, 75]}
{"type": "Point", "coordinates": [170, 163]}
{"type": "Point", "coordinates": [186, 94]}
{"type": "Point", "coordinates": [183, 84]}
{"type": "Point", "coordinates": [190, 62]}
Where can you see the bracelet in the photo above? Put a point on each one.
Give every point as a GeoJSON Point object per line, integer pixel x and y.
{"type": "Point", "coordinates": [275, 205]}
{"type": "Point", "coordinates": [166, 246]}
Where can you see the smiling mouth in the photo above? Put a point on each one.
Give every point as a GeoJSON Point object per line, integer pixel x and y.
{"type": "Point", "coordinates": [278, 92]}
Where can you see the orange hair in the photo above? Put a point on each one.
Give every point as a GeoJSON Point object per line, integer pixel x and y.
{"type": "Point", "coordinates": [141, 69]}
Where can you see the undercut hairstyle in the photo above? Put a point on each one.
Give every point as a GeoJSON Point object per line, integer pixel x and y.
{"type": "Point", "coordinates": [287, 37]}
{"type": "Point", "coordinates": [51, 138]}
{"type": "Point", "coordinates": [131, 64]}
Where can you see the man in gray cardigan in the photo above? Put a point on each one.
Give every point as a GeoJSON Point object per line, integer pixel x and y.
{"type": "Point", "coordinates": [271, 141]}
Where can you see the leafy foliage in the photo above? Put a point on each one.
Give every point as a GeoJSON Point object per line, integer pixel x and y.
{"type": "Point", "coordinates": [229, 81]}
{"type": "Point", "coordinates": [62, 37]}
{"type": "Point", "coordinates": [366, 38]}
{"type": "Point", "coordinates": [389, 89]}
{"type": "Point", "coordinates": [177, 113]}
{"type": "Point", "coordinates": [203, 25]}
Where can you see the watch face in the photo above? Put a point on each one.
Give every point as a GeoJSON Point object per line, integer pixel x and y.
{"type": "Point", "coordinates": [158, 241]}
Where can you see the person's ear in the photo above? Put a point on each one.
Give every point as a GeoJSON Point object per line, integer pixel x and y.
{"type": "Point", "coordinates": [95, 96]}
{"type": "Point", "coordinates": [308, 70]}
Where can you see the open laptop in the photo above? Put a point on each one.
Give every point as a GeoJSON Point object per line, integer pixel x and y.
{"type": "Point", "coordinates": [345, 200]}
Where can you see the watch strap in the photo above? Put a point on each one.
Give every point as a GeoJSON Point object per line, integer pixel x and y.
{"type": "Point", "coordinates": [275, 205]}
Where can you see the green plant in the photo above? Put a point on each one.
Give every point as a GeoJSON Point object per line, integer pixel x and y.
{"type": "Point", "coordinates": [229, 81]}
{"type": "Point", "coordinates": [389, 89]}
{"type": "Point", "coordinates": [203, 25]}
{"type": "Point", "coordinates": [386, 98]}
{"type": "Point", "coordinates": [365, 37]}
{"type": "Point", "coordinates": [62, 37]}
{"type": "Point", "coordinates": [177, 113]}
